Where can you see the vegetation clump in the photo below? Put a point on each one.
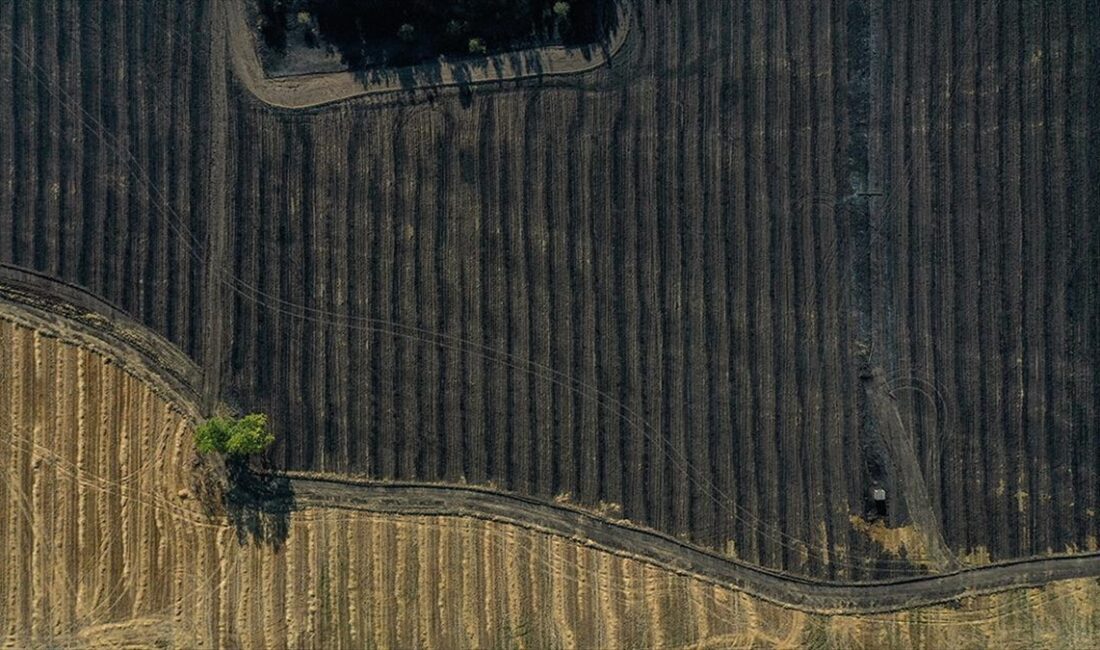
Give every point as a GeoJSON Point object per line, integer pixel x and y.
{"type": "Point", "coordinates": [477, 46]}
{"type": "Point", "coordinates": [235, 437]}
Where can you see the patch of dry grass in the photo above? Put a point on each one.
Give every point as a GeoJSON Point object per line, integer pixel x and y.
{"type": "Point", "coordinates": [104, 548]}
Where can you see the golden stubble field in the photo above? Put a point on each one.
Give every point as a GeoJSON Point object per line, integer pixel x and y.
{"type": "Point", "coordinates": [103, 545]}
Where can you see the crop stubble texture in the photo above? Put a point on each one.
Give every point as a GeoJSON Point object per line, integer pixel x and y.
{"type": "Point", "coordinates": [652, 285]}
{"type": "Point", "coordinates": [595, 288]}
{"type": "Point", "coordinates": [105, 121]}
{"type": "Point", "coordinates": [988, 318]}
{"type": "Point", "coordinates": [100, 550]}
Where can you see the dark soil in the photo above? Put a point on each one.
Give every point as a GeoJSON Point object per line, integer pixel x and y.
{"type": "Point", "coordinates": [654, 284]}
{"type": "Point", "coordinates": [373, 33]}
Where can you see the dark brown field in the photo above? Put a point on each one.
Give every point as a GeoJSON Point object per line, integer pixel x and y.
{"type": "Point", "coordinates": [688, 283]}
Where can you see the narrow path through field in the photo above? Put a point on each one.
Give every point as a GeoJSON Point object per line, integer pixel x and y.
{"type": "Point", "coordinates": [312, 90]}
{"type": "Point", "coordinates": [909, 475]}
{"type": "Point", "coordinates": [670, 553]}
{"type": "Point", "coordinates": [145, 357]}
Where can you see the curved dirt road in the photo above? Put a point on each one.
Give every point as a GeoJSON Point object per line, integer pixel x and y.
{"type": "Point", "coordinates": [35, 299]}
{"type": "Point", "coordinates": [318, 89]}
{"type": "Point", "coordinates": [153, 358]}
{"type": "Point", "coordinates": [668, 552]}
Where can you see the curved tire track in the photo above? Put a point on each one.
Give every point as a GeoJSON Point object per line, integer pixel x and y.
{"type": "Point", "coordinates": [312, 90]}
{"type": "Point", "coordinates": [32, 295]}
{"type": "Point", "coordinates": [623, 538]}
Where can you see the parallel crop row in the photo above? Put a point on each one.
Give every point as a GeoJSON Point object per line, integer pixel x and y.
{"type": "Point", "coordinates": [659, 285]}
{"type": "Point", "coordinates": [105, 151]}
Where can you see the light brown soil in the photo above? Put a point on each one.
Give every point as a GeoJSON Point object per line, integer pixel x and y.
{"type": "Point", "coordinates": [647, 284]}
{"type": "Point", "coordinates": [105, 549]}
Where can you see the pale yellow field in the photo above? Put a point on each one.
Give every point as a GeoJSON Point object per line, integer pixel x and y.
{"type": "Point", "coordinates": [103, 546]}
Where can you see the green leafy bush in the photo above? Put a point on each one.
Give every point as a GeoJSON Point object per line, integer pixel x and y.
{"type": "Point", "coordinates": [243, 437]}
{"type": "Point", "coordinates": [477, 46]}
{"type": "Point", "coordinates": [212, 435]}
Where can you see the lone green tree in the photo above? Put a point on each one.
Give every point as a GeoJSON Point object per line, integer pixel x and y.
{"type": "Point", "coordinates": [242, 437]}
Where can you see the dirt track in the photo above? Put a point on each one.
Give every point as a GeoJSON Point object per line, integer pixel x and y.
{"type": "Point", "coordinates": [578, 526]}
{"type": "Point", "coordinates": [650, 285]}
{"type": "Point", "coordinates": [43, 301]}
{"type": "Point", "coordinates": [667, 552]}
{"type": "Point", "coordinates": [907, 471]}
{"type": "Point", "coordinates": [313, 90]}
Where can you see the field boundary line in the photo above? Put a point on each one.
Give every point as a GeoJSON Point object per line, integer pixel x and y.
{"type": "Point", "coordinates": [72, 314]}
{"type": "Point", "coordinates": [627, 539]}
{"type": "Point", "coordinates": [622, 538]}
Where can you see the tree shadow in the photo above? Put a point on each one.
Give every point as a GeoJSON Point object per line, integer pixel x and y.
{"type": "Point", "coordinates": [257, 503]}
{"type": "Point", "coordinates": [464, 71]}
{"type": "Point", "coordinates": [381, 60]}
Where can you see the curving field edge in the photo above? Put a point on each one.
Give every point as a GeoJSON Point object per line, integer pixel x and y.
{"type": "Point", "coordinates": [651, 546]}
{"type": "Point", "coordinates": [318, 89]}
{"type": "Point", "coordinates": [157, 361]}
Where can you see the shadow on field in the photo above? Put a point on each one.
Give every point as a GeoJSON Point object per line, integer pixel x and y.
{"type": "Point", "coordinates": [257, 504]}
{"type": "Point", "coordinates": [462, 71]}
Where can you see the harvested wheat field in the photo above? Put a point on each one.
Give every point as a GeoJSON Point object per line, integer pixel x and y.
{"type": "Point", "coordinates": [767, 322]}
{"type": "Point", "coordinates": [659, 283]}
{"type": "Point", "coordinates": [105, 545]}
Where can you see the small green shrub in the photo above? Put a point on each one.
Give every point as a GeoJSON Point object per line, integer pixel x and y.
{"type": "Point", "coordinates": [477, 46]}
{"type": "Point", "coordinates": [250, 435]}
{"type": "Point", "coordinates": [243, 437]}
{"type": "Point", "coordinates": [213, 435]}
{"type": "Point", "coordinates": [407, 33]}
{"type": "Point", "coordinates": [561, 10]}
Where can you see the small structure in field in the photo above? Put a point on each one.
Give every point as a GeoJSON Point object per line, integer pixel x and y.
{"type": "Point", "coordinates": [878, 496]}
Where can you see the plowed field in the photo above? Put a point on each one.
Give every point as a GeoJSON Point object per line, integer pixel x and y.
{"type": "Point", "coordinates": [661, 284]}
{"type": "Point", "coordinates": [101, 550]}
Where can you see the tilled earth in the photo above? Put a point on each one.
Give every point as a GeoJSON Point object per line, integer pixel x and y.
{"type": "Point", "coordinates": [657, 284]}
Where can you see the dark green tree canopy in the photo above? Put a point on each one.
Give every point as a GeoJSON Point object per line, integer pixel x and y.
{"type": "Point", "coordinates": [242, 437]}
